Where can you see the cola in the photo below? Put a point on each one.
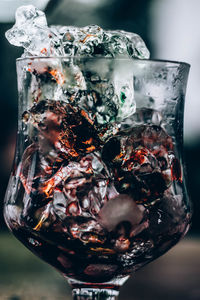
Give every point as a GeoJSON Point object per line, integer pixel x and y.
{"type": "Point", "coordinates": [97, 209]}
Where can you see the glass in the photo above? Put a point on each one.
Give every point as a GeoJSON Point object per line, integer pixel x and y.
{"type": "Point", "coordinates": [97, 188]}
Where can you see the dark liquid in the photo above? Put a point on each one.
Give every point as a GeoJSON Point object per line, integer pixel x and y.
{"type": "Point", "coordinates": [91, 263]}
{"type": "Point", "coordinates": [95, 207]}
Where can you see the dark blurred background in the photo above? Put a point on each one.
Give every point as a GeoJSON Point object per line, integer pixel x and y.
{"type": "Point", "coordinates": [170, 30]}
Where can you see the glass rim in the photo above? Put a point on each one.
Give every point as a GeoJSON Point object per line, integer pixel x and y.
{"type": "Point", "coordinates": [105, 58]}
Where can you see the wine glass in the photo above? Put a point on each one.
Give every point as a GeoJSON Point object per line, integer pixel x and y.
{"type": "Point", "coordinates": [97, 188]}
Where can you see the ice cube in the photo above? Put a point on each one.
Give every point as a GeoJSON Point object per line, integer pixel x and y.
{"type": "Point", "coordinates": [29, 13]}
{"type": "Point", "coordinates": [136, 47]}
{"type": "Point", "coordinates": [141, 161]}
{"type": "Point", "coordinates": [88, 40]}
{"type": "Point", "coordinates": [65, 127]}
{"type": "Point", "coordinates": [123, 43]}
{"type": "Point", "coordinates": [86, 184]}
{"type": "Point", "coordinates": [115, 42]}
{"type": "Point", "coordinates": [30, 31]}
{"type": "Point", "coordinates": [107, 94]}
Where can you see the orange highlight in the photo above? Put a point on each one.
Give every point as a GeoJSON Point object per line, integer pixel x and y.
{"type": "Point", "coordinates": [86, 37]}
{"type": "Point", "coordinates": [85, 115]}
{"type": "Point", "coordinates": [59, 77]}
{"type": "Point", "coordinates": [91, 148]}
{"type": "Point", "coordinates": [103, 250]}
{"type": "Point", "coordinates": [44, 51]}
{"type": "Point", "coordinates": [88, 142]}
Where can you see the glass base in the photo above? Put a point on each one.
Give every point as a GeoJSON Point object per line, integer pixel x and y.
{"type": "Point", "coordinates": [94, 294]}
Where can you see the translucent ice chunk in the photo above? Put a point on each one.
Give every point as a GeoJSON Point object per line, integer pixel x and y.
{"type": "Point", "coordinates": [31, 14]}
{"type": "Point", "coordinates": [120, 42]}
{"type": "Point", "coordinates": [123, 86]}
{"type": "Point", "coordinates": [141, 162]}
{"type": "Point", "coordinates": [30, 31]}
{"type": "Point", "coordinates": [107, 94]}
{"type": "Point", "coordinates": [136, 46]}
{"type": "Point", "coordinates": [86, 39]}
{"type": "Point", "coordinates": [92, 40]}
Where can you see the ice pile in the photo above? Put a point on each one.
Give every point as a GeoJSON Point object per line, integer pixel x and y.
{"type": "Point", "coordinates": [31, 32]}
{"type": "Point", "coordinates": [103, 89]}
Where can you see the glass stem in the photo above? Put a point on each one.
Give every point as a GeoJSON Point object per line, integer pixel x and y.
{"type": "Point", "coordinates": [94, 294]}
